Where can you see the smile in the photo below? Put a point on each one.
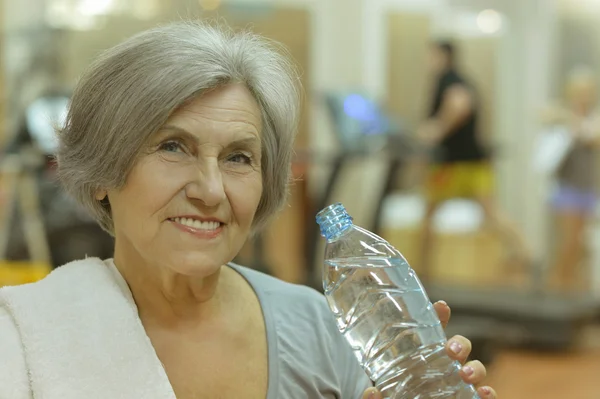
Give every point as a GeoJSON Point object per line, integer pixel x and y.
{"type": "Point", "coordinates": [197, 224]}
{"type": "Point", "coordinates": [198, 228]}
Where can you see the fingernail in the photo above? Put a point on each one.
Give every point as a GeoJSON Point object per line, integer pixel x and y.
{"type": "Point", "coordinates": [468, 370]}
{"type": "Point", "coordinates": [486, 390]}
{"type": "Point", "coordinates": [442, 303]}
{"type": "Point", "coordinates": [372, 395]}
{"type": "Point", "coordinates": [455, 347]}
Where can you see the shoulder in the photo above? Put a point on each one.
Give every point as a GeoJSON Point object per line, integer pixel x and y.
{"type": "Point", "coordinates": [454, 76]}
{"type": "Point", "coordinates": [20, 303]}
{"type": "Point", "coordinates": [299, 314]}
{"type": "Point", "coordinates": [453, 79]}
{"type": "Point", "coordinates": [84, 271]}
{"type": "Point", "coordinates": [299, 300]}
{"type": "Point", "coordinates": [25, 299]}
{"type": "Point", "coordinates": [14, 380]}
{"type": "Point", "coordinates": [311, 350]}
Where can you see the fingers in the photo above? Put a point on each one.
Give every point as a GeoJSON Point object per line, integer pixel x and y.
{"type": "Point", "coordinates": [443, 312]}
{"type": "Point", "coordinates": [373, 393]}
{"type": "Point", "coordinates": [459, 348]}
{"type": "Point", "coordinates": [473, 372]}
{"type": "Point", "coordinates": [487, 393]}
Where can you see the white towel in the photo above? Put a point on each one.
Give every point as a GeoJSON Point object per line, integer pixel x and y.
{"type": "Point", "coordinates": [82, 337]}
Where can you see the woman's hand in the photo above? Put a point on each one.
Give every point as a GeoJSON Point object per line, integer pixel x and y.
{"type": "Point", "coordinates": [458, 348]}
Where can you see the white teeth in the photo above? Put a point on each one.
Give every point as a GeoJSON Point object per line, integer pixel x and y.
{"type": "Point", "coordinates": [196, 224]}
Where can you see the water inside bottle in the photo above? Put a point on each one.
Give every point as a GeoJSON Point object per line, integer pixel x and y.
{"type": "Point", "coordinates": [383, 312]}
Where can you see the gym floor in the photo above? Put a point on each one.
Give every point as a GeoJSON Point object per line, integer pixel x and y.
{"type": "Point", "coordinates": [522, 375]}
{"type": "Point", "coordinates": [515, 373]}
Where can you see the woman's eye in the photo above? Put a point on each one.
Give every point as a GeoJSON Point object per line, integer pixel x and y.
{"type": "Point", "coordinates": [171, 146]}
{"type": "Point", "coordinates": [240, 158]}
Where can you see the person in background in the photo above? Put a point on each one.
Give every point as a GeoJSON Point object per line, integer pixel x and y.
{"type": "Point", "coordinates": [459, 164]}
{"type": "Point", "coordinates": [575, 197]}
{"type": "Point", "coordinates": [179, 141]}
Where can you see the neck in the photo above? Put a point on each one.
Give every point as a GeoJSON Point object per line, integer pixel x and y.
{"type": "Point", "coordinates": [168, 298]}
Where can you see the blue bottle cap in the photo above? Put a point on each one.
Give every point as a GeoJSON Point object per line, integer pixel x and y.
{"type": "Point", "coordinates": [333, 221]}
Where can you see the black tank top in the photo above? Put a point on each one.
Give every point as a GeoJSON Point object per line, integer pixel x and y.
{"type": "Point", "coordinates": [462, 144]}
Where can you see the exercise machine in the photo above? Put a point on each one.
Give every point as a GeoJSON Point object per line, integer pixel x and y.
{"type": "Point", "coordinates": [531, 317]}
{"type": "Point", "coordinates": [48, 226]}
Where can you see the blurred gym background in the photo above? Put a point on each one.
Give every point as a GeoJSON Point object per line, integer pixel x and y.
{"type": "Point", "coordinates": [368, 90]}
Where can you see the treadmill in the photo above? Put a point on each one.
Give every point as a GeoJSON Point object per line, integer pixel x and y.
{"type": "Point", "coordinates": [517, 317]}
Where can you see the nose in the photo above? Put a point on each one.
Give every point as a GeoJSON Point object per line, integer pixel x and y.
{"type": "Point", "coordinates": [207, 185]}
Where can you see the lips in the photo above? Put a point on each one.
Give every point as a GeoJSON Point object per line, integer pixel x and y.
{"type": "Point", "coordinates": [210, 225]}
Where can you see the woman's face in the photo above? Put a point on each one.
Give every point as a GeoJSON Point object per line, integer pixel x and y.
{"type": "Point", "coordinates": [189, 202]}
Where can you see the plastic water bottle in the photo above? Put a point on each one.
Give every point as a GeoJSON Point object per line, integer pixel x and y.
{"type": "Point", "coordinates": [385, 315]}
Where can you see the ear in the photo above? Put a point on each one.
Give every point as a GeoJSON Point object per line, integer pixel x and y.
{"type": "Point", "coordinates": [101, 194]}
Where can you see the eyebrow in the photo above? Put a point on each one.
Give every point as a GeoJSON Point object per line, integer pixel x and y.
{"type": "Point", "coordinates": [247, 141]}
{"type": "Point", "coordinates": [178, 130]}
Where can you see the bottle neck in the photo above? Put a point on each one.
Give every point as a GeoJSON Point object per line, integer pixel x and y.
{"type": "Point", "coordinates": [334, 222]}
{"type": "Point", "coordinates": [337, 231]}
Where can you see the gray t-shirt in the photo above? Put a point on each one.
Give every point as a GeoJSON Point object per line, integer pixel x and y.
{"type": "Point", "coordinates": [308, 357]}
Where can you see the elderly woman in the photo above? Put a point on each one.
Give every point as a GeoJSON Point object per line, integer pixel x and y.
{"type": "Point", "coordinates": [179, 142]}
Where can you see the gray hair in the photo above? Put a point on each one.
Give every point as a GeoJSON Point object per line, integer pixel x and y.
{"type": "Point", "coordinates": [130, 91]}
